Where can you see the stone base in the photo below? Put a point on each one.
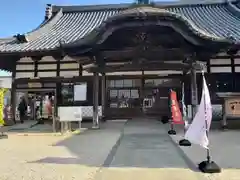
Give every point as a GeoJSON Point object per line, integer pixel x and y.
{"type": "Point", "coordinates": [103, 119]}
{"type": "Point", "coordinates": [164, 120]}
{"type": "Point", "coordinates": [224, 127]}
{"type": "Point", "coordinates": [172, 132]}
{"type": "Point", "coordinates": [95, 127]}
{"type": "Point", "coordinates": [209, 167]}
{"type": "Point", "coordinates": [3, 136]}
{"type": "Point", "coordinates": [184, 142]}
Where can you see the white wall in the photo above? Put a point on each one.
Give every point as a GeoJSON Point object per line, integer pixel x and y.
{"type": "Point", "coordinates": [6, 82]}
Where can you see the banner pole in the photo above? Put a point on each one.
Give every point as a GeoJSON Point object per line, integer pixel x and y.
{"type": "Point", "coordinates": [207, 166]}
{"type": "Point", "coordinates": [184, 142]}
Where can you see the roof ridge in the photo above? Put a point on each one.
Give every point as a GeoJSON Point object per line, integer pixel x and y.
{"type": "Point", "coordinates": [76, 8]}
{"type": "Point", "coordinates": [101, 7]}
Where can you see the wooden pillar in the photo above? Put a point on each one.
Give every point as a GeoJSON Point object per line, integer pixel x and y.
{"type": "Point", "coordinates": [103, 90]}
{"type": "Point", "coordinates": [80, 69]}
{"type": "Point", "coordinates": [194, 91]}
{"type": "Point", "coordinates": [95, 100]}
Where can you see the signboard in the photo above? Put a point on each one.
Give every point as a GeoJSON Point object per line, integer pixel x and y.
{"type": "Point", "coordinates": [70, 113]}
{"type": "Point", "coordinates": [232, 107]}
{"type": "Point", "coordinates": [80, 92]}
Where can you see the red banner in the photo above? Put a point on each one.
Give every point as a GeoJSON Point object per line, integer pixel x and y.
{"type": "Point", "coordinates": [176, 113]}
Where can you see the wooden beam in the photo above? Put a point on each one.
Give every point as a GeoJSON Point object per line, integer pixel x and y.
{"type": "Point", "coordinates": [134, 53]}
{"type": "Point", "coordinates": [146, 66]}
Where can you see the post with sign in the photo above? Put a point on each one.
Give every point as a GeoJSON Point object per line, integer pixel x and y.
{"type": "Point", "coordinates": [231, 109]}
{"type": "Point", "coordinates": [70, 114]}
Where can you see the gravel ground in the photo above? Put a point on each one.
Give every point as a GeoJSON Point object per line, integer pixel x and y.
{"type": "Point", "coordinates": [56, 157]}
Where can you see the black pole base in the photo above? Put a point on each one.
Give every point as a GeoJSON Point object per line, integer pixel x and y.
{"type": "Point", "coordinates": [224, 128]}
{"type": "Point", "coordinates": [209, 167]}
{"type": "Point", "coordinates": [3, 136]}
{"type": "Point", "coordinates": [172, 132]}
{"type": "Point", "coordinates": [164, 119]}
{"type": "Point", "coordinates": [184, 142]}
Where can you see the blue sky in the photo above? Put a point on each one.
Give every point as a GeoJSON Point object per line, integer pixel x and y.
{"type": "Point", "coordinates": [20, 16]}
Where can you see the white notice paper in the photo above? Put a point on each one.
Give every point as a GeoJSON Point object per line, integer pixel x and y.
{"type": "Point", "coordinates": [80, 92]}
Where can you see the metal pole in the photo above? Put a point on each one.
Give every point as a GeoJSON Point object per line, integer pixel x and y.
{"type": "Point", "coordinates": [95, 101]}
{"type": "Point", "coordinates": [205, 116]}
{"type": "Point", "coordinates": [103, 89]}
{"type": "Point", "coordinates": [194, 94]}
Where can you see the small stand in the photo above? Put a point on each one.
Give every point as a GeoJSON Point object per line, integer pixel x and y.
{"type": "Point", "coordinates": [95, 127]}
{"type": "Point", "coordinates": [172, 131]}
{"type": "Point", "coordinates": [209, 166]}
{"type": "Point", "coordinates": [184, 142]}
{"type": "Point", "coordinates": [164, 119]}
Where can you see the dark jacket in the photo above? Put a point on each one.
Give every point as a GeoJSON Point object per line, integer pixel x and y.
{"type": "Point", "coordinates": [22, 107]}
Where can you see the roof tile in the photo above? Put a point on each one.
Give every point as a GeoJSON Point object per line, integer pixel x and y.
{"type": "Point", "coordinates": [69, 26]}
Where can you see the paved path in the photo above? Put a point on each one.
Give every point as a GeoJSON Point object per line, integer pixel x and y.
{"type": "Point", "coordinates": [145, 151]}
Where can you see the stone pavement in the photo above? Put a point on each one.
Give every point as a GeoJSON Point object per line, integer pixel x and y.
{"type": "Point", "coordinates": [138, 149]}
{"type": "Point", "coordinates": [145, 151]}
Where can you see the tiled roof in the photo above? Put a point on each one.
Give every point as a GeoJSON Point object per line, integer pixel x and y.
{"type": "Point", "coordinates": [71, 23]}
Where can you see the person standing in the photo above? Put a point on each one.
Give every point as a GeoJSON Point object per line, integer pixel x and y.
{"type": "Point", "coordinates": [22, 108]}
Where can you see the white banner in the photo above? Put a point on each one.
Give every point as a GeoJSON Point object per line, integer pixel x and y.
{"type": "Point", "coordinates": [196, 132]}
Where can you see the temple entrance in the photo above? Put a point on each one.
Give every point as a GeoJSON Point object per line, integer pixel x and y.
{"type": "Point", "coordinates": [156, 95]}
{"type": "Point", "coordinates": [40, 103]}
{"type": "Point", "coordinates": [155, 101]}
{"type": "Point", "coordinates": [140, 97]}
